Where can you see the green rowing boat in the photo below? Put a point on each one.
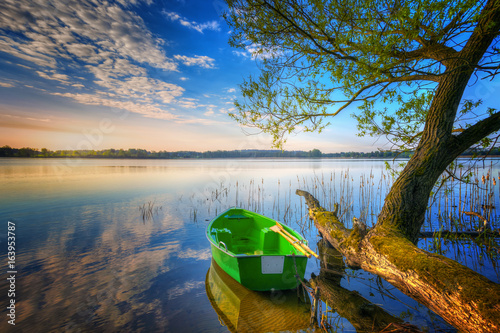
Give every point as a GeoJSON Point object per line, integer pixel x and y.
{"type": "Point", "coordinates": [245, 246]}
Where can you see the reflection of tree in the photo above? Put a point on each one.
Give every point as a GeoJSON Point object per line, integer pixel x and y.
{"type": "Point", "coordinates": [361, 313]}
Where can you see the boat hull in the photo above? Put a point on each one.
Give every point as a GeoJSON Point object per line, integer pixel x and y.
{"type": "Point", "coordinates": [244, 247]}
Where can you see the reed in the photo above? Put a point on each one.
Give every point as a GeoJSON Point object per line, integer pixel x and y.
{"type": "Point", "coordinates": [149, 210]}
{"type": "Point", "coordinates": [363, 197]}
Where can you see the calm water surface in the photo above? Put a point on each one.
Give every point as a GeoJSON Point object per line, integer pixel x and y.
{"type": "Point", "coordinates": [88, 260]}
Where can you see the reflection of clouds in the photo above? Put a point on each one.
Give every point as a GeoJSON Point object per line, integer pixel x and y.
{"type": "Point", "coordinates": [70, 289]}
{"type": "Point", "coordinates": [185, 288]}
{"type": "Point", "coordinates": [203, 254]}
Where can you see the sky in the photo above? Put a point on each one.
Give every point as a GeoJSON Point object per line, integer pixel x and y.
{"type": "Point", "coordinates": [155, 75]}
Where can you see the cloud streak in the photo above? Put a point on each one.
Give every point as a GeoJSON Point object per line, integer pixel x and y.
{"type": "Point", "coordinates": [202, 61]}
{"type": "Point", "coordinates": [54, 76]}
{"type": "Point", "coordinates": [256, 51]}
{"type": "Point", "coordinates": [147, 110]}
{"type": "Point", "coordinates": [200, 27]}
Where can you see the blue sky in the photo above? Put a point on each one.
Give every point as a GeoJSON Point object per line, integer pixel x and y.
{"type": "Point", "coordinates": [157, 75]}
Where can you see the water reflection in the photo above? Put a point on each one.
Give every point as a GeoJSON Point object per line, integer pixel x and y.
{"type": "Point", "coordinates": [88, 262]}
{"type": "Point", "coordinates": [77, 280]}
{"type": "Point", "coordinates": [244, 310]}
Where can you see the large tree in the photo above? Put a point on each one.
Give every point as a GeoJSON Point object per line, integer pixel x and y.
{"type": "Point", "coordinates": [406, 66]}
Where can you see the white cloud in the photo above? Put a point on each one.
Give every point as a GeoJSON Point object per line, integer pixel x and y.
{"type": "Point", "coordinates": [105, 41]}
{"type": "Point", "coordinates": [202, 61]}
{"type": "Point", "coordinates": [24, 66]}
{"type": "Point", "coordinates": [85, 51]}
{"type": "Point", "coordinates": [19, 50]}
{"type": "Point", "coordinates": [105, 48]}
{"type": "Point", "coordinates": [44, 120]}
{"type": "Point", "coordinates": [231, 90]}
{"type": "Point", "coordinates": [147, 110]}
{"type": "Point", "coordinates": [200, 27]}
{"type": "Point", "coordinates": [256, 51]}
{"type": "Point", "coordinates": [188, 103]}
{"type": "Point", "coordinates": [86, 30]}
{"type": "Point", "coordinates": [137, 87]}
{"type": "Point", "coordinates": [242, 54]}
{"type": "Point", "coordinates": [63, 78]}
{"type": "Point", "coordinates": [226, 111]}
{"type": "Point", "coordinates": [127, 3]}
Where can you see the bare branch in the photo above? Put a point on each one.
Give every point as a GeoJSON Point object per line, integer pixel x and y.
{"type": "Point", "coordinates": [476, 132]}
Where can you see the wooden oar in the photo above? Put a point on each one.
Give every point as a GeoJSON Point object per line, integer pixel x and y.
{"type": "Point", "coordinates": [295, 245]}
{"type": "Point", "coordinates": [296, 240]}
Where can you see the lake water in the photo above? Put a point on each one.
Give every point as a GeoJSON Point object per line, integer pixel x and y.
{"type": "Point", "coordinates": [88, 258]}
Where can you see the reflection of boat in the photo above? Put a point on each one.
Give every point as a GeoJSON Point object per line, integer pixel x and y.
{"type": "Point", "coordinates": [244, 310]}
{"type": "Point", "coordinates": [244, 246]}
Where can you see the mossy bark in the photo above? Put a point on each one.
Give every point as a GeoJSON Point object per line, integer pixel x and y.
{"type": "Point", "coordinates": [464, 298]}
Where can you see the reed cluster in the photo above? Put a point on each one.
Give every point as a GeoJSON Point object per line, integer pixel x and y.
{"type": "Point", "coordinates": [362, 196]}
{"type": "Point", "coordinates": [478, 192]}
{"type": "Point", "coordinates": [149, 210]}
{"type": "Point", "coordinates": [472, 190]}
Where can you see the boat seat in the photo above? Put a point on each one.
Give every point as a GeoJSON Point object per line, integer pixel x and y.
{"type": "Point", "coordinates": [269, 240]}
{"type": "Point", "coordinates": [224, 235]}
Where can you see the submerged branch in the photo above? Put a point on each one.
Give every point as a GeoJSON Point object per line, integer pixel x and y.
{"type": "Point", "coordinates": [360, 312]}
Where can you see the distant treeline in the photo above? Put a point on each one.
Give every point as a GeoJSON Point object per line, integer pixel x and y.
{"type": "Point", "coordinates": [7, 151]}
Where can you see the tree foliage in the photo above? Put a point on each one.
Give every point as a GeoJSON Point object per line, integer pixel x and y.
{"type": "Point", "coordinates": [7, 151]}
{"type": "Point", "coordinates": [319, 57]}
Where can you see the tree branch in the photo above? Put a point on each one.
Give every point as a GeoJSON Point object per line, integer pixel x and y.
{"type": "Point", "coordinates": [307, 35]}
{"type": "Point", "coordinates": [473, 134]}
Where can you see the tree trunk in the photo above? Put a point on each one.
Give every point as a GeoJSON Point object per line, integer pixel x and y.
{"type": "Point", "coordinates": [464, 298]}
{"type": "Point", "coordinates": [405, 205]}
